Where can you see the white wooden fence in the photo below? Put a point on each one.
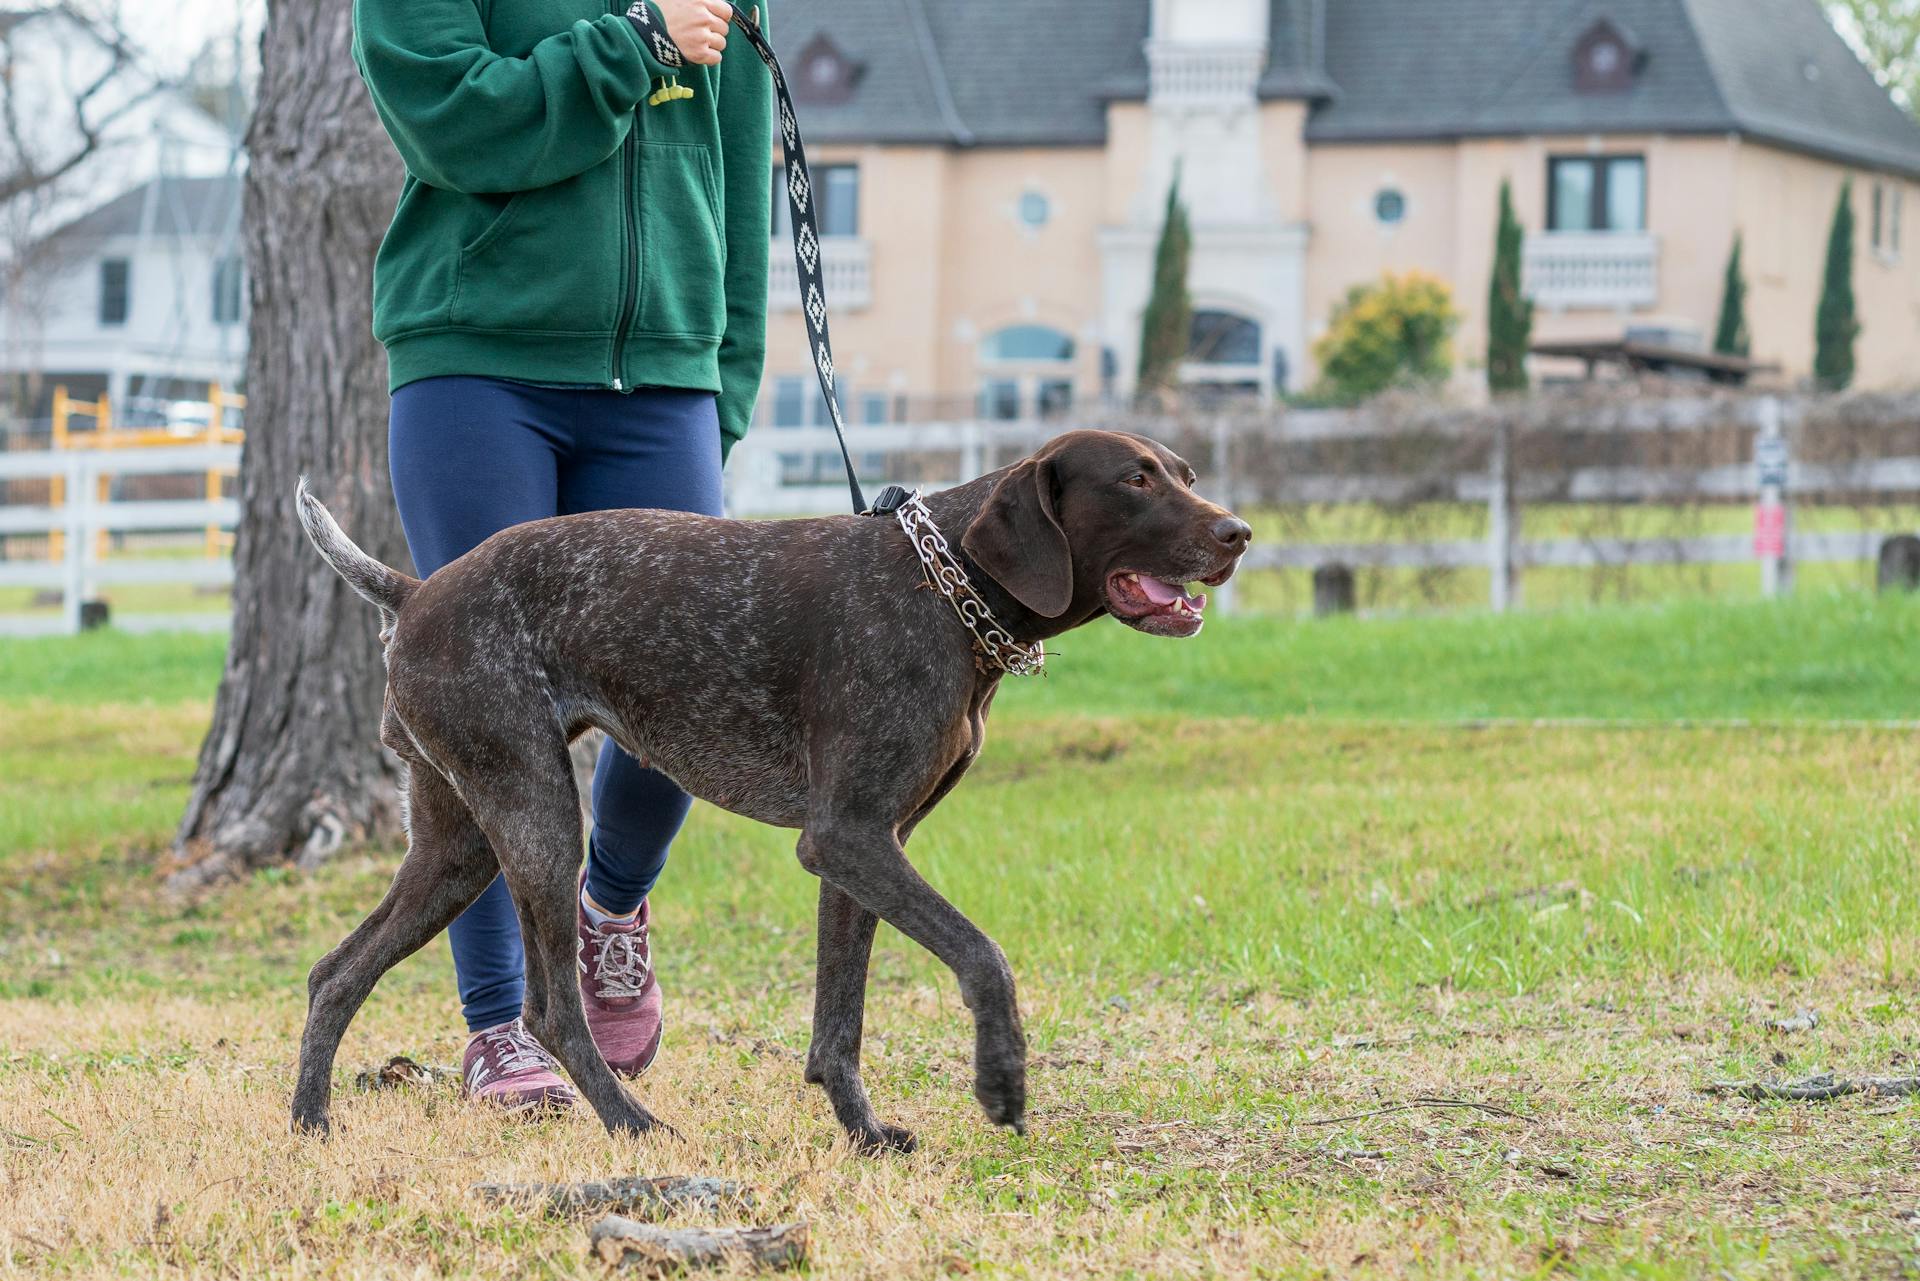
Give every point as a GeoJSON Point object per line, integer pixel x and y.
{"type": "Point", "coordinates": [759, 483]}
{"type": "Point", "coordinates": [82, 517]}
{"type": "Point", "coordinates": [763, 479]}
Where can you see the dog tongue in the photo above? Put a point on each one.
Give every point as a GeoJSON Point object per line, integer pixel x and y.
{"type": "Point", "coordinates": [1161, 593]}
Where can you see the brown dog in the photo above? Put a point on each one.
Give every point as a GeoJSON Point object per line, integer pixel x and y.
{"type": "Point", "coordinates": [797, 672]}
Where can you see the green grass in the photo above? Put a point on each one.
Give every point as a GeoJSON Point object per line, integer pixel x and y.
{"type": "Point", "coordinates": [1256, 887]}
{"type": "Point", "coordinates": [1812, 656]}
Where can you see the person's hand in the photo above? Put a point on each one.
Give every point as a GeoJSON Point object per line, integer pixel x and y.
{"type": "Point", "coordinates": [699, 27]}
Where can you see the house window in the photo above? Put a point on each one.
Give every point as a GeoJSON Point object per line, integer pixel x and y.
{"type": "Point", "coordinates": [1597, 193]}
{"type": "Point", "coordinates": [116, 288]}
{"type": "Point", "coordinates": [1604, 60]}
{"type": "Point", "coordinates": [1035, 209]}
{"type": "Point", "coordinates": [1222, 338]}
{"type": "Point", "coordinates": [1027, 342]}
{"type": "Point", "coordinates": [226, 290]}
{"type": "Point", "coordinates": [1040, 384]}
{"type": "Point", "coordinates": [823, 73]}
{"type": "Point", "coordinates": [836, 196]}
{"type": "Point", "coordinates": [1389, 207]}
{"type": "Point", "coordinates": [1886, 219]}
{"type": "Point", "coordinates": [873, 408]}
{"type": "Point", "coordinates": [1000, 399]}
{"type": "Point", "coordinates": [797, 402]}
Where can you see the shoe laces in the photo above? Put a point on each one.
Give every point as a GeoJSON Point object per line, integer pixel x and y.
{"type": "Point", "coordinates": [508, 1050]}
{"type": "Point", "coordinates": [620, 963]}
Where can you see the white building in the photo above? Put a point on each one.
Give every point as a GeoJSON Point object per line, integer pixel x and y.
{"type": "Point", "coordinates": [145, 297]}
{"type": "Point", "coordinates": [119, 273]}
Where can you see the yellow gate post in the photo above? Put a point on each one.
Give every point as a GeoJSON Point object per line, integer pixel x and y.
{"type": "Point", "coordinates": [57, 484]}
{"type": "Point", "coordinates": [103, 426]}
{"type": "Point", "coordinates": [216, 415]}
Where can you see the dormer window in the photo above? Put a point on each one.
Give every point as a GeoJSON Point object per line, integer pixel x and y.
{"type": "Point", "coordinates": [1605, 59]}
{"type": "Point", "coordinates": [823, 73]}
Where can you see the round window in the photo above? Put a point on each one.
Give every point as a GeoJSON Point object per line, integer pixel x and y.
{"type": "Point", "coordinates": [1035, 209]}
{"type": "Point", "coordinates": [1389, 206]}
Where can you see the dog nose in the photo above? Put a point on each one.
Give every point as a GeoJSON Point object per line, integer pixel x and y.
{"type": "Point", "coordinates": [1232, 533]}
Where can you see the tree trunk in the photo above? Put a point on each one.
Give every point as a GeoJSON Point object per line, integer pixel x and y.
{"type": "Point", "coordinates": [292, 766]}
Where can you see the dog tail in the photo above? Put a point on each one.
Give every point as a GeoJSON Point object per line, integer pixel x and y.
{"type": "Point", "coordinates": [384, 587]}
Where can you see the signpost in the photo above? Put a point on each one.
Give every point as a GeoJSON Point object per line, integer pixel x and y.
{"type": "Point", "coordinates": [1770, 508]}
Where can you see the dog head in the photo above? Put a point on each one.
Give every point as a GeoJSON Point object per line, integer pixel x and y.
{"type": "Point", "coordinates": [1101, 520]}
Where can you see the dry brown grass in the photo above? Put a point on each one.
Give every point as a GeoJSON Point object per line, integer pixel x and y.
{"type": "Point", "coordinates": [150, 1138]}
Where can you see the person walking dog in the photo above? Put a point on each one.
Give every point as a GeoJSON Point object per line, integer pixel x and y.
{"type": "Point", "coordinates": [572, 296]}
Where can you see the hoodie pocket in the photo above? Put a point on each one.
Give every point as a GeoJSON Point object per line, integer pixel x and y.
{"type": "Point", "coordinates": [682, 251]}
{"type": "Point", "coordinates": [546, 262]}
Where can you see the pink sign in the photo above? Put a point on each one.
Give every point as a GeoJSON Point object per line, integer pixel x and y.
{"type": "Point", "coordinates": [1769, 531]}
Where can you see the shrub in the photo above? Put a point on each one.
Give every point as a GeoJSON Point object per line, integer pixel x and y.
{"type": "Point", "coordinates": [1395, 332]}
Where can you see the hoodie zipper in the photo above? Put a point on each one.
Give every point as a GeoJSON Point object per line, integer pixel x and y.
{"type": "Point", "coordinates": [630, 269]}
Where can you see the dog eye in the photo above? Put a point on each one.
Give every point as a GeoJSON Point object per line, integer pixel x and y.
{"type": "Point", "coordinates": [1138, 480]}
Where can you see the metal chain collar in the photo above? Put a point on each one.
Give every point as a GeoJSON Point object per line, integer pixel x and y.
{"type": "Point", "coordinates": [944, 574]}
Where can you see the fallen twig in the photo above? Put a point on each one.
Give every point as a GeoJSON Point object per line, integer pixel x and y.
{"type": "Point", "coordinates": [653, 1251]}
{"type": "Point", "coordinates": [1817, 1088]}
{"type": "Point", "coordinates": [1425, 1101]}
{"type": "Point", "coordinates": [651, 1198]}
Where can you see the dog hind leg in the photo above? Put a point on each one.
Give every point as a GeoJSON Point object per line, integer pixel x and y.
{"type": "Point", "coordinates": [845, 946]}
{"type": "Point", "coordinates": [530, 810]}
{"type": "Point", "coordinates": [448, 864]}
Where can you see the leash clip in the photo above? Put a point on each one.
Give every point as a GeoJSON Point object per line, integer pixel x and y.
{"type": "Point", "coordinates": [891, 499]}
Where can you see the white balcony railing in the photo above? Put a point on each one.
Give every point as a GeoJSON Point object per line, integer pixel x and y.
{"type": "Point", "coordinates": [1605, 270]}
{"type": "Point", "coordinates": [1199, 74]}
{"type": "Point", "coordinates": [846, 272]}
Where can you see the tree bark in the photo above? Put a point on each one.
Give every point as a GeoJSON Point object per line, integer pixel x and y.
{"type": "Point", "coordinates": [292, 766]}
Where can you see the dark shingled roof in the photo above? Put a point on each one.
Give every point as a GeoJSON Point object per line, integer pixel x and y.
{"type": "Point", "coordinates": [1040, 72]}
{"type": "Point", "coordinates": [182, 207]}
{"type": "Point", "coordinates": [1468, 68]}
{"type": "Point", "coordinates": [1000, 72]}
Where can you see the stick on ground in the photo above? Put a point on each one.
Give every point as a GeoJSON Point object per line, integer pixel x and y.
{"type": "Point", "coordinates": [655, 1251]}
{"type": "Point", "coordinates": [1818, 1088]}
{"type": "Point", "coordinates": [649, 1198]}
{"type": "Point", "coordinates": [1424, 1101]}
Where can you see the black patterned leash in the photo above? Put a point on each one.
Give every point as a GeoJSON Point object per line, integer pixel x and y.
{"type": "Point", "coordinates": [800, 195]}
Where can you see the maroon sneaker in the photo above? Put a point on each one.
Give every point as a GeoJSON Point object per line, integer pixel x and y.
{"type": "Point", "coordinates": [504, 1065]}
{"type": "Point", "coordinates": [618, 988]}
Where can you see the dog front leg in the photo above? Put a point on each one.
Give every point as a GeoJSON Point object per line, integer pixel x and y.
{"type": "Point", "coordinates": [845, 947]}
{"type": "Point", "coordinates": [867, 863]}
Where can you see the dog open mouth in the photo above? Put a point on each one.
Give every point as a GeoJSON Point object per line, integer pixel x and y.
{"type": "Point", "coordinates": [1155, 605]}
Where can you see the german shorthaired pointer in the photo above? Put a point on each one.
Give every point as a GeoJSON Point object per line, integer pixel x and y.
{"type": "Point", "coordinates": [805, 673]}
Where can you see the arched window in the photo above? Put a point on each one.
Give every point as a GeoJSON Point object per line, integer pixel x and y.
{"type": "Point", "coordinates": [1027, 342]}
{"type": "Point", "coordinates": [1222, 338]}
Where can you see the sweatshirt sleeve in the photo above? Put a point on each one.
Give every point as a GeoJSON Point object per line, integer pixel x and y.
{"type": "Point", "coordinates": [468, 119]}
{"type": "Point", "coordinates": [746, 138]}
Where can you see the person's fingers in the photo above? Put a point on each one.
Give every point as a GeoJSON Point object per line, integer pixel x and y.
{"type": "Point", "coordinates": [719, 10]}
{"type": "Point", "coordinates": [703, 56]}
{"type": "Point", "coordinates": [718, 43]}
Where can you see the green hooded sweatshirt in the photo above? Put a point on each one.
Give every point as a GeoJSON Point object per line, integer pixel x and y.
{"type": "Point", "coordinates": [553, 226]}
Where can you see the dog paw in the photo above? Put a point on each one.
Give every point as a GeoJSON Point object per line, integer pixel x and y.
{"type": "Point", "coordinates": [312, 1125]}
{"type": "Point", "coordinates": [639, 1123]}
{"type": "Point", "coordinates": [1002, 1092]}
{"type": "Point", "coordinates": [882, 1138]}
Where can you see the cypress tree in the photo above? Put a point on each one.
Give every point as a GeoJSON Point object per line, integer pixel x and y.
{"type": "Point", "coordinates": [1730, 335]}
{"type": "Point", "coordinates": [1164, 330]}
{"type": "Point", "coordinates": [1509, 313]}
{"type": "Point", "coordinates": [1834, 325]}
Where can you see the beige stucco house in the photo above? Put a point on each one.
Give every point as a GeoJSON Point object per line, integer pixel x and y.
{"type": "Point", "coordinates": [993, 172]}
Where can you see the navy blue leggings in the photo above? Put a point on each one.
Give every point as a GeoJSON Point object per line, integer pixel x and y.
{"type": "Point", "coordinates": [471, 456]}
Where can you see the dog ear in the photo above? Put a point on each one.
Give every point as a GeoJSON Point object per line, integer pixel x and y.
{"type": "Point", "coordinates": [1018, 541]}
